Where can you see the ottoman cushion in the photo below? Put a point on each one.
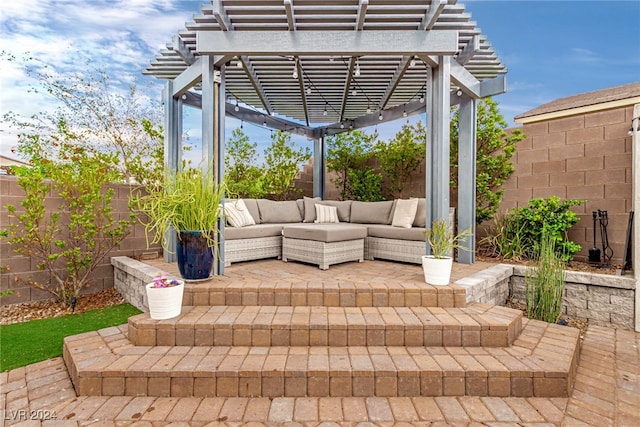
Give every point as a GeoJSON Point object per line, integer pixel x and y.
{"type": "Point", "coordinates": [325, 232]}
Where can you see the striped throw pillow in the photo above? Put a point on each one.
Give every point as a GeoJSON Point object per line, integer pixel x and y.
{"type": "Point", "coordinates": [237, 214]}
{"type": "Point", "coordinates": [326, 214]}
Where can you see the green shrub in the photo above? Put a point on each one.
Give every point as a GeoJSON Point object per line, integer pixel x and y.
{"type": "Point", "coordinates": [504, 239]}
{"type": "Point", "coordinates": [552, 216]}
{"type": "Point", "coordinates": [545, 283]}
{"type": "Point", "coordinates": [70, 240]}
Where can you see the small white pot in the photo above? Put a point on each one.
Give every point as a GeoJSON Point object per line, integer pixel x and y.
{"type": "Point", "coordinates": [437, 271]}
{"type": "Point", "coordinates": [165, 303]}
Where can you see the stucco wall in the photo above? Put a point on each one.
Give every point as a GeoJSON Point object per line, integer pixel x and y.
{"type": "Point", "coordinates": [18, 269]}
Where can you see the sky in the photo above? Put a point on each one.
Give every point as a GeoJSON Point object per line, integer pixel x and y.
{"type": "Point", "coordinates": [552, 49]}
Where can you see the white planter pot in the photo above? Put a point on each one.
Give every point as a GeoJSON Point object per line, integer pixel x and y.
{"type": "Point", "coordinates": [437, 271]}
{"type": "Point", "coordinates": [165, 303]}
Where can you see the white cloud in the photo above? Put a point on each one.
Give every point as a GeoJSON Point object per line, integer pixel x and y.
{"type": "Point", "coordinates": [579, 54]}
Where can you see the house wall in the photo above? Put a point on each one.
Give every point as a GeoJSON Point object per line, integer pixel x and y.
{"type": "Point", "coordinates": [17, 269]}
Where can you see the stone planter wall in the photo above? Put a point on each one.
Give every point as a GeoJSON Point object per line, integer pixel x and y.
{"type": "Point", "coordinates": [130, 277]}
{"type": "Point", "coordinates": [601, 299]}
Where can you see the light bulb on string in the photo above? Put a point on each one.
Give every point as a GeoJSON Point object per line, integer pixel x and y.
{"type": "Point", "coordinates": [357, 72]}
{"type": "Point", "coordinates": [239, 63]}
{"type": "Point", "coordinates": [413, 62]}
{"type": "Point", "coordinates": [242, 124]}
{"type": "Point", "coordinates": [380, 117]}
{"type": "Point", "coordinates": [237, 107]}
{"type": "Point", "coordinates": [341, 125]}
{"type": "Point", "coordinates": [324, 113]}
{"type": "Point", "coordinates": [295, 70]}
{"type": "Point", "coordinates": [308, 90]}
{"type": "Point", "coordinates": [404, 111]}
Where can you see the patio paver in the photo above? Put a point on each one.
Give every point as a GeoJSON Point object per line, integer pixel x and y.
{"type": "Point", "coordinates": [615, 349]}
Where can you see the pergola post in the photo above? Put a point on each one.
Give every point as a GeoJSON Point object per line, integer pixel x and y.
{"type": "Point", "coordinates": [318, 167]}
{"type": "Point", "coordinates": [438, 151]}
{"type": "Point", "coordinates": [467, 176]}
{"type": "Point", "coordinates": [172, 150]}
{"type": "Point", "coordinates": [213, 115]}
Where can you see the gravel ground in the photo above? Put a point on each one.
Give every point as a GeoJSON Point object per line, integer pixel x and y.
{"type": "Point", "coordinates": [23, 312]}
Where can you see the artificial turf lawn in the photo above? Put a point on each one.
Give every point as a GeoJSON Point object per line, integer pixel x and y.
{"type": "Point", "coordinates": [29, 342]}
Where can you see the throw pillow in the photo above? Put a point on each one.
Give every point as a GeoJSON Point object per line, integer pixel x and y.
{"type": "Point", "coordinates": [237, 214]}
{"type": "Point", "coordinates": [326, 214]}
{"type": "Point", "coordinates": [405, 213]}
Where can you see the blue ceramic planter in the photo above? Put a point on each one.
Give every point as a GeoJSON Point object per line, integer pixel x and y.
{"type": "Point", "coordinates": [195, 257]}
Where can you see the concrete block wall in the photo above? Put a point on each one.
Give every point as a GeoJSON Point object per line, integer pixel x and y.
{"type": "Point", "coordinates": [586, 156]}
{"type": "Point", "coordinates": [17, 270]}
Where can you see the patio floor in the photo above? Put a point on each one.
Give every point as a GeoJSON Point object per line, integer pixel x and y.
{"type": "Point", "coordinates": [606, 390]}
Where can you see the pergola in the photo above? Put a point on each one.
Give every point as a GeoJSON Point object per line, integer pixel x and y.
{"type": "Point", "coordinates": [321, 67]}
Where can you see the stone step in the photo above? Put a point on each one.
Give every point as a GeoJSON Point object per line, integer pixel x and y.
{"type": "Point", "coordinates": [473, 326]}
{"type": "Point", "coordinates": [323, 292]}
{"type": "Point", "coordinates": [541, 362]}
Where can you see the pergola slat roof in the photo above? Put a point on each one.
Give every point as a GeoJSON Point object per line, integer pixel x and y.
{"type": "Point", "coordinates": [329, 84]}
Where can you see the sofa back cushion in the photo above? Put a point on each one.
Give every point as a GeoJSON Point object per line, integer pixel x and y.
{"type": "Point", "coordinates": [272, 212]}
{"type": "Point", "coordinates": [421, 213]}
{"type": "Point", "coordinates": [371, 212]}
{"type": "Point", "coordinates": [309, 211]}
{"type": "Point", "coordinates": [252, 207]}
{"type": "Point", "coordinates": [344, 208]}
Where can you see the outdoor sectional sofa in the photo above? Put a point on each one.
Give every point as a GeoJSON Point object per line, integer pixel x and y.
{"type": "Point", "coordinates": [293, 221]}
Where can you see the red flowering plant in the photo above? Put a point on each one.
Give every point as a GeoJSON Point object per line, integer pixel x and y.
{"type": "Point", "coordinates": [162, 281]}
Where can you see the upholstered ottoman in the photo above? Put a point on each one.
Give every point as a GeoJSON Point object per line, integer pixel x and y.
{"type": "Point", "coordinates": [323, 244]}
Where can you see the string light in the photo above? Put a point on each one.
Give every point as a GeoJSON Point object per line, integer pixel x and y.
{"type": "Point", "coordinates": [239, 63]}
{"type": "Point", "coordinates": [422, 99]}
{"type": "Point", "coordinates": [413, 62]}
{"type": "Point", "coordinates": [357, 72]}
{"type": "Point", "coordinates": [380, 117]}
{"type": "Point", "coordinates": [351, 125]}
{"type": "Point", "coordinates": [341, 125]}
{"type": "Point", "coordinates": [308, 90]}
{"type": "Point", "coordinates": [324, 113]}
{"type": "Point", "coordinates": [237, 108]}
{"type": "Point", "coordinates": [404, 111]}
{"type": "Point", "coordinates": [295, 70]}
{"type": "Point", "coordinates": [264, 123]}
{"type": "Point", "coordinates": [368, 108]}
{"type": "Point", "coordinates": [242, 124]}
{"type": "Point", "coordinates": [354, 92]}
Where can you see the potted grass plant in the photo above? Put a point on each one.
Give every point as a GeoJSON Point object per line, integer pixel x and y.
{"type": "Point", "coordinates": [437, 266]}
{"type": "Point", "coordinates": [189, 202]}
{"type": "Point", "coordinates": [164, 297]}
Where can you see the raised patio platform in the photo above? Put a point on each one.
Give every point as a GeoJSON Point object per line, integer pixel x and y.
{"type": "Point", "coordinates": [275, 329]}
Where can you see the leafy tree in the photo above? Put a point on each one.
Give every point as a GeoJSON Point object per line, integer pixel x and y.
{"type": "Point", "coordinates": [495, 148]}
{"type": "Point", "coordinates": [72, 241]}
{"type": "Point", "coordinates": [365, 185]}
{"type": "Point", "coordinates": [401, 156]}
{"type": "Point", "coordinates": [103, 117]}
{"type": "Point", "coordinates": [347, 152]}
{"type": "Point", "coordinates": [242, 177]}
{"type": "Point", "coordinates": [282, 165]}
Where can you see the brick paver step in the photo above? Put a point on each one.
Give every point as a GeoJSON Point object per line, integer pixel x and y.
{"type": "Point", "coordinates": [541, 362]}
{"type": "Point", "coordinates": [315, 291]}
{"type": "Point", "coordinates": [473, 326]}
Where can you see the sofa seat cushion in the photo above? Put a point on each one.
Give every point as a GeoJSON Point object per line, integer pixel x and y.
{"type": "Point", "coordinates": [253, 231]}
{"type": "Point", "coordinates": [391, 232]}
{"type": "Point", "coordinates": [325, 232]}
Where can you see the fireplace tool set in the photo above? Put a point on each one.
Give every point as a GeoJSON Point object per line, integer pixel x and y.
{"type": "Point", "coordinates": [601, 219]}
